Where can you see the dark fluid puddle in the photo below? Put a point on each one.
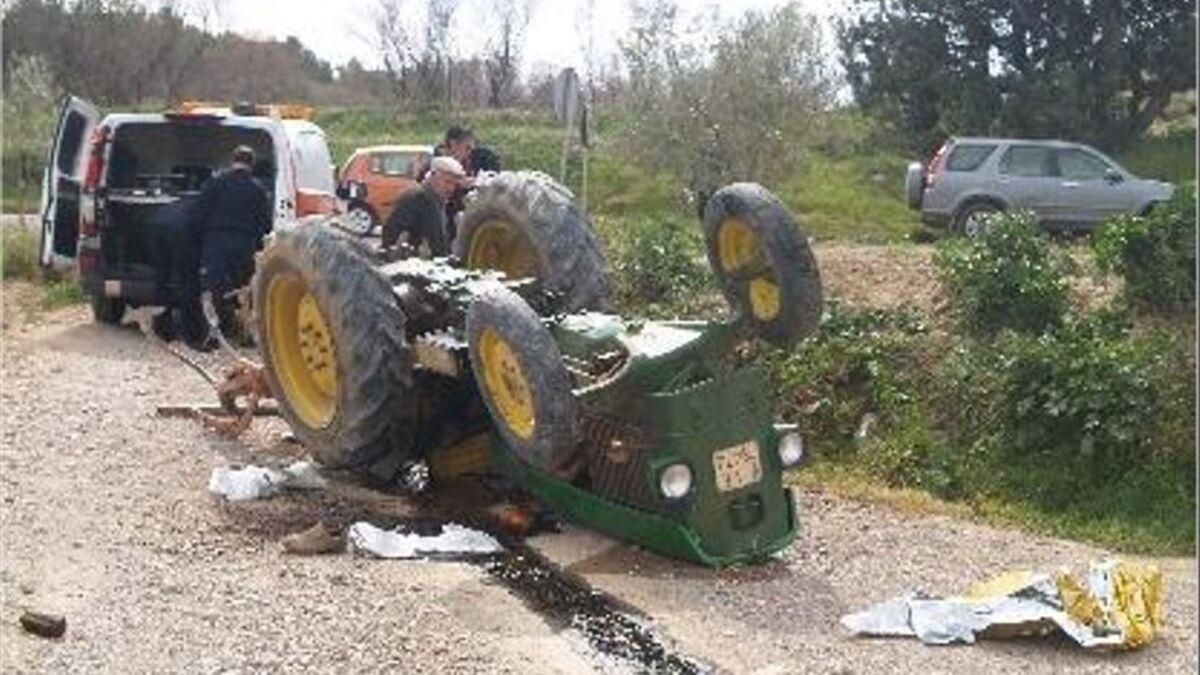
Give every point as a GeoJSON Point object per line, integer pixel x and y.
{"type": "Point", "coordinates": [566, 600]}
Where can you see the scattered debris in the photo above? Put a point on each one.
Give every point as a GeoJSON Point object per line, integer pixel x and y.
{"type": "Point", "coordinates": [245, 380]}
{"type": "Point", "coordinates": [315, 540]}
{"type": "Point", "coordinates": [45, 625]}
{"type": "Point", "coordinates": [453, 539]}
{"type": "Point", "coordinates": [256, 482]}
{"type": "Point", "coordinates": [1119, 608]}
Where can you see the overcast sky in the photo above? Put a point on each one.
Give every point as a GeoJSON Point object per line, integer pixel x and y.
{"type": "Point", "coordinates": [338, 30]}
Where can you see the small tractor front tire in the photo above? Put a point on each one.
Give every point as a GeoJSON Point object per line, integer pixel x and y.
{"type": "Point", "coordinates": [523, 381]}
{"type": "Point", "coordinates": [525, 224]}
{"type": "Point", "coordinates": [763, 263]}
{"type": "Point", "coordinates": [334, 350]}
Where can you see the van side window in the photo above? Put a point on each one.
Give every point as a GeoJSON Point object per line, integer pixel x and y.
{"type": "Point", "coordinates": [968, 157]}
{"type": "Point", "coordinates": [72, 142]}
{"type": "Point", "coordinates": [1027, 160]}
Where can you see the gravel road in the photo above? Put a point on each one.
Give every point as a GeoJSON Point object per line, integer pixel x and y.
{"type": "Point", "coordinates": [106, 519]}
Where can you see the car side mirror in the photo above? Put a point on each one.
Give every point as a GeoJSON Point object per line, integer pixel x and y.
{"type": "Point", "coordinates": [1113, 176]}
{"type": "Point", "coordinates": [352, 190]}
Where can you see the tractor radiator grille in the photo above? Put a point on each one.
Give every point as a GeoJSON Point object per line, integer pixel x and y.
{"type": "Point", "coordinates": [617, 461]}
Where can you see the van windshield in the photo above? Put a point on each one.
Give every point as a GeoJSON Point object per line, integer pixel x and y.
{"type": "Point", "coordinates": [175, 157]}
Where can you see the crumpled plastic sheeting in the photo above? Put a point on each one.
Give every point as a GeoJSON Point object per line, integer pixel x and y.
{"type": "Point", "coordinates": [1119, 607]}
{"type": "Point", "coordinates": [257, 482]}
{"type": "Point", "coordinates": [453, 540]}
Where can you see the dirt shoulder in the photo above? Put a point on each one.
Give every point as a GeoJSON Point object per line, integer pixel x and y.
{"type": "Point", "coordinates": [106, 518]}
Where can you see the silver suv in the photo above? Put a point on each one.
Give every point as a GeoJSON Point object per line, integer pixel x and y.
{"type": "Point", "coordinates": [1067, 186]}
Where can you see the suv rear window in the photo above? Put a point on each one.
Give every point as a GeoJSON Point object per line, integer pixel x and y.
{"type": "Point", "coordinates": [968, 157]}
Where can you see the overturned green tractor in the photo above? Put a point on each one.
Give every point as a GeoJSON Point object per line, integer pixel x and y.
{"type": "Point", "coordinates": [647, 431]}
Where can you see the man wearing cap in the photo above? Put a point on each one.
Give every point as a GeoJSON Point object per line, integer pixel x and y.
{"type": "Point", "coordinates": [421, 212]}
{"type": "Point", "coordinates": [229, 221]}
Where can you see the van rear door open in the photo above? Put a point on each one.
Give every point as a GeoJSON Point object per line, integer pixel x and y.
{"type": "Point", "coordinates": [62, 181]}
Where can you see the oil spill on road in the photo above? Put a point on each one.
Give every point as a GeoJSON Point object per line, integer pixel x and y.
{"type": "Point", "coordinates": [566, 600]}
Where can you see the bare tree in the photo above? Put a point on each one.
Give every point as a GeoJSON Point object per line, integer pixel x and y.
{"type": "Point", "coordinates": [439, 15]}
{"type": "Point", "coordinates": [396, 45]}
{"type": "Point", "coordinates": [503, 50]}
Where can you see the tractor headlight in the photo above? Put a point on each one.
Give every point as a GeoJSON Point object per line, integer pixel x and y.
{"type": "Point", "coordinates": [791, 449]}
{"type": "Point", "coordinates": [675, 481]}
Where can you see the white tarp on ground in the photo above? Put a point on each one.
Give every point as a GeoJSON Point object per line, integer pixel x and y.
{"type": "Point", "coordinates": [257, 482]}
{"type": "Point", "coordinates": [454, 539]}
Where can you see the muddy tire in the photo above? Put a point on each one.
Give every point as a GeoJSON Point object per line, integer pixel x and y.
{"type": "Point", "coordinates": [108, 311]}
{"type": "Point", "coordinates": [523, 382]}
{"type": "Point", "coordinates": [763, 263]}
{"type": "Point", "coordinates": [333, 345]}
{"type": "Point", "coordinates": [527, 225]}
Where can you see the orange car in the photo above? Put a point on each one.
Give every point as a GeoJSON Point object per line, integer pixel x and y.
{"type": "Point", "coordinates": [387, 171]}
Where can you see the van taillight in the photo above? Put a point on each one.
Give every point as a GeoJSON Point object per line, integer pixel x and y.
{"type": "Point", "coordinates": [937, 164]}
{"type": "Point", "coordinates": [87, 214]}
{"type": "Point", "coordinates": [95, 165]}
{"type": "Point", "coordinates": [91, 179]}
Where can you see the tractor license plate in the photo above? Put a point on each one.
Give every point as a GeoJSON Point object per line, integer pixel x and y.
{"type": "Point", "coordinates": [737, 466]}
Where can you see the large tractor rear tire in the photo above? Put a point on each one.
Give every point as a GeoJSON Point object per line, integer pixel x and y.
{"type": "Point", "coordinates": [334, 350]}
{"type": "Point", "coordinates": [525, 224]}
{"type": "Point", "coordinates": [523, 381]}
{"type": "Point", "coordinates": [763, 262]}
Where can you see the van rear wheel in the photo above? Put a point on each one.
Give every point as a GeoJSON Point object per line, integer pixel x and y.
{"type": "Point", "coordinates": [107, 311]}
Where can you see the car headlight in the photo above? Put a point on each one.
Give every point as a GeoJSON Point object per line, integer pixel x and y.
{"type": "Point", "coordinates": [675, 481]}
{"type": "Point", "coordinates": [791, 449]}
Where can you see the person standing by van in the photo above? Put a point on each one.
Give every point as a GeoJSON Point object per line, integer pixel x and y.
{"type": "Point", "coordinates": [230, 218]}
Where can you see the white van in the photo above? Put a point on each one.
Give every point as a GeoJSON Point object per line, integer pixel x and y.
{"type": "Point", "coordinates": [110, 182]}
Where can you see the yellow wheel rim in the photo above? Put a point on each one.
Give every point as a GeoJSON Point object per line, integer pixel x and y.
{"type": "Point", "coordinates": [499, 245]}
{"type": "Point", "coordinates": [506, 383]}
{"type": "Point", "coordinates": [302, 351]}
{"type": "Point", "coordinates": [741, 255]}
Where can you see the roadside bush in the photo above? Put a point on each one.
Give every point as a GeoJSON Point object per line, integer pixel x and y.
{"type": "Point", "coordinates": [1010, 276]}
{"type": "Point", "coordinates": [1156, 254]}
{"type": "Point", "coordinates": [655, 262]}
{"type": "Point", "coordinates": [1084, 396]}
{"type": "Point", "coordinates": [852, 379]}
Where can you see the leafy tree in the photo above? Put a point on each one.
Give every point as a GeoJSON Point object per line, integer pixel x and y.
{"type": "Point", "coordinates": [1093, 70]}
{"type": "Point", "coordinates": [701, 106]}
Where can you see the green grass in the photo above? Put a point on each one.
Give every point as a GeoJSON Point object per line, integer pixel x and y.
{"type": "Point", "coordinates": [59, 293]}
{"type": "Point", "coordinates": [1171, 157]}
{"type": "Point", "coordinates": [20, 253]}
{"type": "Point", "coordinates": [847, 197]}
{"type": "Point", "coordinates": [1151, 513]}
{"type": "Point", "coordinates": [857, 198]}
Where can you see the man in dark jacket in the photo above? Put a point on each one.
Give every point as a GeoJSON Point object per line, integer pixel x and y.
{"type": "Point", "coordinates": [230, 219]}
{"type": "Point", "coordinates": [421, 211]}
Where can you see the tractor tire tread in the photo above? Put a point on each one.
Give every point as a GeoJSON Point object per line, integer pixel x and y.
{"type": "Point", "coordinates": [569, 252]}
{"type": "Point", "coordinates": [376, 414]}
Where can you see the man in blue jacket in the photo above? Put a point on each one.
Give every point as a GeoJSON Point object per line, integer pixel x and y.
{"type": "Point", "coordinates": [229, 220]}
